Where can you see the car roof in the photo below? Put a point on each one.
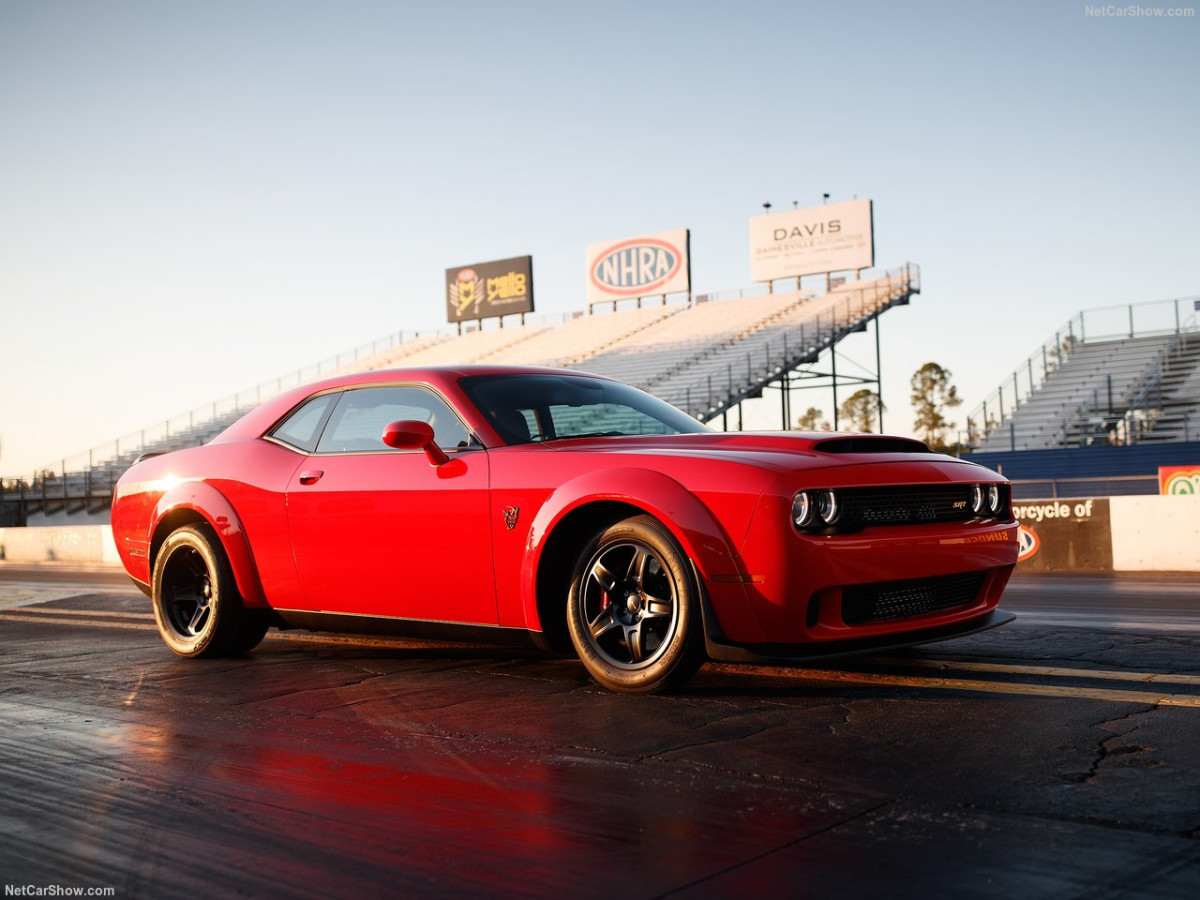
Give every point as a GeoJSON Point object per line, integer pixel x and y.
{"type": "Point", "coordinates": [443, 379]}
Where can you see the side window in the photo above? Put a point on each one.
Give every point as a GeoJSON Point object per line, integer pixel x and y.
{"type": "Point", "coordinates": [301, 427]}
{"type": "Point", "coordinates": [357, 423]}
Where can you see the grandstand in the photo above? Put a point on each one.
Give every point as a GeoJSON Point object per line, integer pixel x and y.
{"type": "Point", "coordinates": [704, 356]}
{"type": "Point", "coordinates": [1085, 387]}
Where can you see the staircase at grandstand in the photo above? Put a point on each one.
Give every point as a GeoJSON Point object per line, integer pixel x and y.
{"type": "Point", "coordinates": [1119, 375]}
{"type": "Point", "coordinates": [704, 355]}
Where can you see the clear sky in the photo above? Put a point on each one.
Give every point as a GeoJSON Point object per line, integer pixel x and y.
{"type": "Point", "coordinates": [199, 196]}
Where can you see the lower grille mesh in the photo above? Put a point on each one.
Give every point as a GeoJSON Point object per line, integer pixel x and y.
{"type": "Point", "coordinates": [896, 599]}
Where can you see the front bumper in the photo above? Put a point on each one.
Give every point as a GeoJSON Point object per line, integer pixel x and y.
{"type": "Point", "coordinates": [721, 650]}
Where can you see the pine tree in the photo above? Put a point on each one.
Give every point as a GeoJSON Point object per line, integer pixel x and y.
{"type": "Point", "coordinates": [859, 411]}
{"type": "Point", "coordinates": [812, 420]}
{"type": "Point", "coordinates": [932, 395]}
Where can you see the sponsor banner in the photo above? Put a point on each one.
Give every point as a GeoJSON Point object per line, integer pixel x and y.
{"type": "Point", "coordinates": [1179, 480]}
{"type": "Point", "coordinates": [644, 266]}
{"type": "Point", "coordinates": [831, 238]}
{"type": "Point", "coordinates": [490, 289]}
{"type": "Point", "coordinates": [1061, 535]}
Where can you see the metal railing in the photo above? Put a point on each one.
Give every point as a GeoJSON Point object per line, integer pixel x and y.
{"type": "Point", "coordinates": [706, 399]}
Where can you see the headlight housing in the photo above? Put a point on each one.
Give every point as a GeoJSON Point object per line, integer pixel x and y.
{"type": "Point", "coordinates": [994, 499]}
{"type": "Point", "coordinates": [803, 510]}
{"type": "Point", "coordinates": [828, 507]}
{"type": "Point", "coordinates": [816, 509]}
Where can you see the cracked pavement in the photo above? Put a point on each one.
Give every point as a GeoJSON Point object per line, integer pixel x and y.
{"type": "Point", "coordinates": [318, 768]}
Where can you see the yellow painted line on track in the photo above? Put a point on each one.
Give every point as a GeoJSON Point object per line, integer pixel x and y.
{"type": "Point", "coordinates": [1002, 687]}
{"type": "Point", "coordinates": [142, 622]}
{"type": "Point", "coordinates": [90, 613]}
{"type": "Point", "coordinates": [87, 623]}
{"type": "Point", "coordinates": [1047, 671]}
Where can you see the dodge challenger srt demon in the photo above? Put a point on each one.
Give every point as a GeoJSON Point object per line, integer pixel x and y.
{"type": "Point", "coordinates": [571, 510]}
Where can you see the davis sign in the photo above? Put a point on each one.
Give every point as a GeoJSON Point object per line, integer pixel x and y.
{"type": "Point", "coordinates": [833, 238]}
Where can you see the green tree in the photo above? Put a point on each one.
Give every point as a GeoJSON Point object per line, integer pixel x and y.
{"type": "Point", "coordinates": [932, 395]}
{"type": "Point", "coordinates": [812, 420]}
{"type": "Point", "coordinates": [859, 411]}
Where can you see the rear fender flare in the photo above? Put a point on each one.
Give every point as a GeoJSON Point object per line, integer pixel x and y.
{"type": "Point", "coordinates": [213, 507]}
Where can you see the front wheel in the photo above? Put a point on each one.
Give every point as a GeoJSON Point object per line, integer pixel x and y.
{"type": "Point", "coordinates": [197, 607]}
{"type": "Point", "coordinates": [632, 610]}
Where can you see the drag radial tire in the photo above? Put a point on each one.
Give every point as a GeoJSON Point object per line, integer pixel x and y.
{"type": "Point", "coordinates": [633, 610]}
{"type": "Point", "coordinates": [197, 606]}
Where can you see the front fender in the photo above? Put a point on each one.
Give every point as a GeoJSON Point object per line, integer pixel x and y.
{"type": "Point", "coordinates": [693, 525]}
{"type": "Point", "coordinates": [204, 500]}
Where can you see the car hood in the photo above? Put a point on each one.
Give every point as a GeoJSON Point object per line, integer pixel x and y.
{"type": "Point", "coordinates": [782, 451]}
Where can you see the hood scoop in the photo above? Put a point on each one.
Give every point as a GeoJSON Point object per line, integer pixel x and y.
{"type": "Point", "coordinates": [865, 443]}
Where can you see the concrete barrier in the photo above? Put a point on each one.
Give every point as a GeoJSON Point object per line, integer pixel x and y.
{"type": "Point", "coordinates": [1149, 533]}
{"type": "Point", "coordinates": [1156, 533]}
{"type": "Point", "coordinates": [90, 544]}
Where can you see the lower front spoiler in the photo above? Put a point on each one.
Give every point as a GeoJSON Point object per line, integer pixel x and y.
{"type": "Point", "coordinates": [782, 654]}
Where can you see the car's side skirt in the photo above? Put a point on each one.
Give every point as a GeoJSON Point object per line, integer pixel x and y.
{"type": "Point", "coordinates": [349, 623]}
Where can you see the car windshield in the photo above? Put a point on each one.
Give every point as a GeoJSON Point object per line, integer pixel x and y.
{"type": "Point", "coordinates": [530, 408]}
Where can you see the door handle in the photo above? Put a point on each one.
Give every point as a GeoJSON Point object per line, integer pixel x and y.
{"type": "Point", "coordinates": [312, 476]}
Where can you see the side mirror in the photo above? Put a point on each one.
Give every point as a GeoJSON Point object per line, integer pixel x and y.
{"type": "Point", "coordinates": [413, 435]}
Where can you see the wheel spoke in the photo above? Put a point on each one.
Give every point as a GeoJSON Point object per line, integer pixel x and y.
{"type": "Point", "coordinates": [659, 606]}
{"type": "Point", "coordinates": [198, 617]}
{"type": "Point", "coordinates": [637, 565]}
{"type": "Point", "coordinates": [633, 637]}
{"type": "Point", "coordinates": [606, 579]}
{"type": "Point", "coordinates": [195, 565]}
{"type": "Point", "coordinates": [604, 623]}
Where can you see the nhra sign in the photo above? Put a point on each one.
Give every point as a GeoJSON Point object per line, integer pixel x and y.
{"type": "Point", "coordinates": [1179, 480]}
{"type": "Point", "coordinates": [831, 238]}
{"type": "Point", "coordinates": [639, 267]}
{"type": "Point", "coordinates": [490, 289]}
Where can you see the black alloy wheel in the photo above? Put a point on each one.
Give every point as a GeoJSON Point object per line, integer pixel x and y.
{"type": "Point", "coordinates": [197, 607]}
{"type": "Point", "coordinates": [632, 609]}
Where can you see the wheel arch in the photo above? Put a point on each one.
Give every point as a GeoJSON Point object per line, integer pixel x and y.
{"type": "Point", "coordinates": [558, 559]}
{"type": "Point", "coordinates": [199, 503]}
{"type": "Point", "coordinates": [589, 504]}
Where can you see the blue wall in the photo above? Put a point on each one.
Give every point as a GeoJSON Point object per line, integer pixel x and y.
{"type": "Point", "coordinates": [1090, 462]}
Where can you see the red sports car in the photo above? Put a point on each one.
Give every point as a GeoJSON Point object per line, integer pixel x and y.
{"type": "Point", "coordinates": [563, 508]}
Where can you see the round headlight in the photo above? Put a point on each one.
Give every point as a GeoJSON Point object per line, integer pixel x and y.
{"type": "Point", "coordinates": [827, 507]}
{"type": "Point", "coordinates": [977, 499]}
{"type": "Point", "coordinates": [802, 510]}
{"type": "Point", "coordinates": [993, 498]}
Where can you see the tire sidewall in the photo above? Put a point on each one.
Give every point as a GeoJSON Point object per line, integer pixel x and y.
{"type": "Point", "coordinates": [207, 642]}
{"type": "Point", "coordinates": [682, 656]}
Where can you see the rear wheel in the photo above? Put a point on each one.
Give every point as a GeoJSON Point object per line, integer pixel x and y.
{"type": "Point", "coordinates": [197, 606]}
{"type": "Point", "coordinates": [632, 609]}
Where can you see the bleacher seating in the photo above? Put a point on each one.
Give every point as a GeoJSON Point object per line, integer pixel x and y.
{"type": "Point", "coordinates": [469, 347]}
{"type": "Point", "coordinates": [648, 356]}
{"type": "Point", "coordinates": [1101, 391]}
{"type": "Point", "coordinates": [582, 337]}
{"type": "Point", "coordinates": [703, 356]}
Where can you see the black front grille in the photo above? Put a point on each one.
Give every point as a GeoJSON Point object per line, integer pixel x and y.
{"type": "Point", "coordinates": [864, 507]}
{"type": "Point", "coordinates": [896, 599]}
